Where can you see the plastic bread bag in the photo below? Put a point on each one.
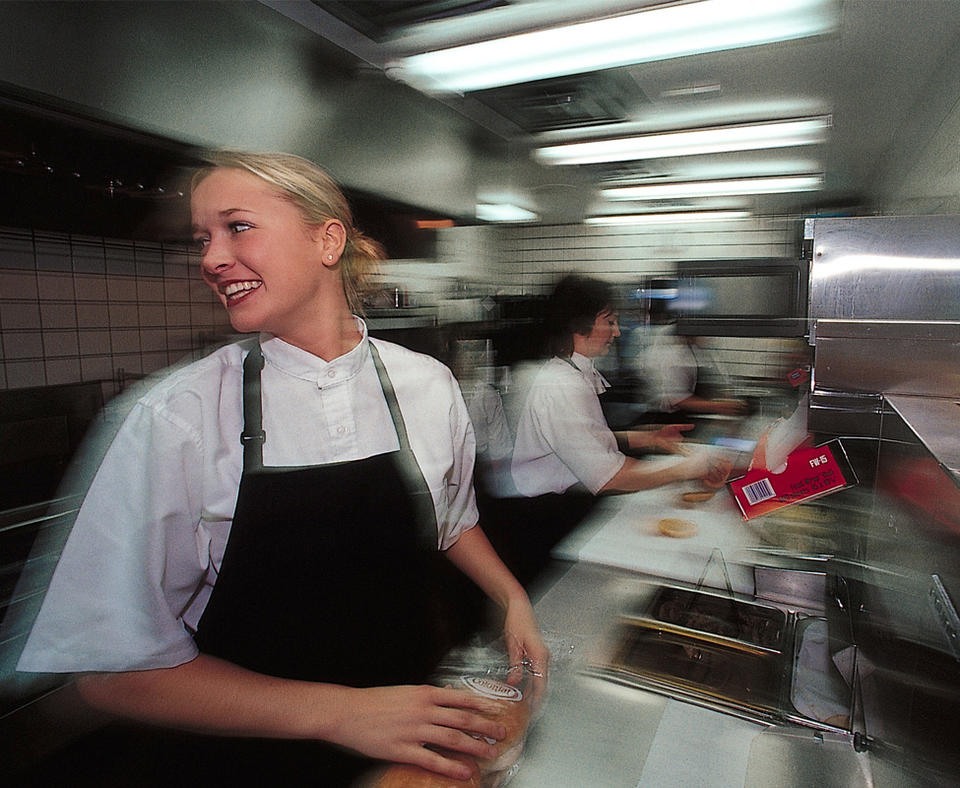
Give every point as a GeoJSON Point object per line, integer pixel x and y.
{"type": "Point", "coordinates": [405, 775]}
{"type": "Point", "coordinates": [518, 692]}
{"type": "Point", "coordinates": [483, 670]}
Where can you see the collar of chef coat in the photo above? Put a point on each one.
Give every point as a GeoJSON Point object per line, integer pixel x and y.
{"type": "Point", "coordinates": [305, 365]}
{"type": "Point", "coordinates": [590, 372]}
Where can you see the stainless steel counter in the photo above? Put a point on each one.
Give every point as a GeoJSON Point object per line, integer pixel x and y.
{"type": "Point", "coordinates": [936, 423]}
{"type": "Point", "coordinates": [597, 733]}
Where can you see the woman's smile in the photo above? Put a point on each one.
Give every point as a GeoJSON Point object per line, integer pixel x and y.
{"type": "Point", "coordinates": [234, 292]}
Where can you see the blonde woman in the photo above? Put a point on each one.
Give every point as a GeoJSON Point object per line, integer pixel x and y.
{"type": "Point", "coordinates": [254, 557]}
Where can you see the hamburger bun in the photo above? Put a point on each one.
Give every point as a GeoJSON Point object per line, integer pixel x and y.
{"type": "Point", "coordinates": [513, 712]}
{"type": "Point", "coordinates": [678, 528]}
{"type": "Point", "coordinates": [405, 775]}
{"type": "Point", "coordinates": [693, 498]}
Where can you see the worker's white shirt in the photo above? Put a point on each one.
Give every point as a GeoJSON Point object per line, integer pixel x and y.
{"type": "Point", "coordinates": [562, 436]}
{"type": "Point", "coordinates": [143, 555]}
{"type": "Point", "coordinates": [489, 422]}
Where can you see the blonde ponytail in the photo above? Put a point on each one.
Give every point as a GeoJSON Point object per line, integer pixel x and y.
{"type": "Point", "coordinates": [359, 265]}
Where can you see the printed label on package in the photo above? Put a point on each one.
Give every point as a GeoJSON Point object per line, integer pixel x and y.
{"type": "Point", "coordinates": [809, 473]}
{"type": "Point", "coordinates": [492, 688]}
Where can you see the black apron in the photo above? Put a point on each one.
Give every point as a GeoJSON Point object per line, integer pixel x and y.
{"type": "Point", "coordinates": [328, 575]}
{"type": "Point", "coordinates": [331, 573]}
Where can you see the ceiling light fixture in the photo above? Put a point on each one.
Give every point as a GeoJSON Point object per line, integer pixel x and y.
{"type": "Point", "coordinates": [641, 37]}
{"type": "Point", "coordinates": [719, 188]}
{"type": "Point", "coordinates": [667, 218]}
{"type": "Point", "coordinates": [691, 142]}
{"type": "Point", "coordinates": [504, 212]}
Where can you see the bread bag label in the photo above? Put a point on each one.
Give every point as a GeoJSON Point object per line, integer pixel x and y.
{"type": "Point", "coordinates": [491, 688]}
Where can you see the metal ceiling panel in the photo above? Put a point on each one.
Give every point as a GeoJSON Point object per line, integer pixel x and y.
{"type": "Point", "coordinates": [581, 100]}
{"type": "Point", "coordinates": [379, 19]}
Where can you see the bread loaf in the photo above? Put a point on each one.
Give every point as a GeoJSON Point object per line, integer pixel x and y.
{"type": "Point", "coordinates": [513, 712]}
{"type": "Point", "coordinates": [404, 775]}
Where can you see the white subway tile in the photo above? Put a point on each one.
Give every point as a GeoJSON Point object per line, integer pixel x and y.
{"type": "Point", "coordinates": [56, 286]}
{"type": "Point", "coordinates": [93, 315]}
{"type": "Point", "coordinates": [19, 315]}
{"type": "Point", "coordinates": [96, 368]}
{"type": "Point", "coordinates": [62, 370]}
{"type": "Point", "coordinates": [60, 343]}
{"type": "Point", "coordinates": [25, 374]}
{"type": "Point", "coordinates": [94, 343]}
{"type": "Point", "coordinates": [22, 344]}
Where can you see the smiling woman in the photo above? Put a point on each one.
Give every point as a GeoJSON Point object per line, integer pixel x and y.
{"type": "Point", "coordinates": [283, 586]}
{"type": "Point", "coordinates": [312, 224]}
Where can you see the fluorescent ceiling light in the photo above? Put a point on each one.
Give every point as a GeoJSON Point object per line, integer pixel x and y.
{"type": "Point", "coordinates": [721, 188]}
{"type": "Point", "coordinates": [693, 142]}
{"type": "Point", "coordinates": [641, 37]}
{"type": "Point", "coordinates": [667, 218]}
{"type": "Point", "coordinates": [504, 212]}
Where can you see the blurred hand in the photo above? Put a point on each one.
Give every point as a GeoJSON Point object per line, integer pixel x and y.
{"type": "Point", "coordinates": [667, 439]}
{"type": "Point", "coordinates": [394, 724]}
{"type": "Point", "coordinates": [729, 407]}
{"type": "Point", "coordinates": [717, 473]}
{"type": "Point", "coordinates": [526, 650]}
{"type": "Point", "coordinates": [710, 468]}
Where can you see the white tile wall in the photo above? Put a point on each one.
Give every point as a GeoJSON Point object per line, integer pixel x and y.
{"type": "Point", "coordinates": [527, 260]}
{"type": "Point", "coordinates": [81, 308]}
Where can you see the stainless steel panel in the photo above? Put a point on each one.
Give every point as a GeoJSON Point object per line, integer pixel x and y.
{"type": "Point", "coordinates": [936, 423]}
{"type": "Point", "coordinates": [886, 268]}
{"type": "Point", "coordinates": [784, 756]}
{"type": "Point", "coordinates": [892, 357]}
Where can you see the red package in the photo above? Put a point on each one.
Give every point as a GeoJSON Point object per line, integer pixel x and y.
{"type": "Point", "coordinates": [810, 472]}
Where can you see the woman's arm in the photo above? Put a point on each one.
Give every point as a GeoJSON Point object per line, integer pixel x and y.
{"type": "Point", "coordinates": [392, 723]}
{"type": "Point", "coordinates": [666, 439]}
{"type": "Point", "coordinates": [721, 407]}
{"type": "Point", "coordinates": [475, 557]}
{"type": "Point", "coordinates": [635, 474]}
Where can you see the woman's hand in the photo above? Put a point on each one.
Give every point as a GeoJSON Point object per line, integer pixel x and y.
{"type": "Point", "coordinates": [710, 468]}
{"type": "Point", "coordinates": [668, 439]}
{"type": "Point", "coordinates": [526, 649]}
{"type": "Point", "coordinates": [394, 724]}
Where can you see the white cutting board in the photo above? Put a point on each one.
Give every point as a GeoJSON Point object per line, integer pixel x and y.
{"type": "Point", "coordinates": [625, 535]}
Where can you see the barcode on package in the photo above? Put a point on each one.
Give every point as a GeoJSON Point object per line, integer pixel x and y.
{"type": "Point", "coordinates": [759, 491]}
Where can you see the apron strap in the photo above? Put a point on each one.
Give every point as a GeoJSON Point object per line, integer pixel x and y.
{"type": "Point", "coordinates": [253, 435]}
{"type": "Point", "coordinates": [407, 461]}
{"type": "Point", "coordinates": [391, 397]}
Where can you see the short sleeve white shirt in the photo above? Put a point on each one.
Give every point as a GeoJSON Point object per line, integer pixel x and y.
{"type": "Point", "coordinates": [562, 436]}
{"type": "Point", "coordinates": [671, 369]}
{"type": "Point", "coordinates": [144, 552]}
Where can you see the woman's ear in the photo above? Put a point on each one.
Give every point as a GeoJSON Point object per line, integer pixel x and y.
{"type": "Point", "coordinates": [332, 238]}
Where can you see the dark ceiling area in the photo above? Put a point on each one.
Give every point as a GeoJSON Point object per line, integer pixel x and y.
{"type": "Point", "coordinates": [68, 173]}
{"type": "Point", "coordinates": [63, 172]}
{"type": "Point", "coordinates": [378, 19]}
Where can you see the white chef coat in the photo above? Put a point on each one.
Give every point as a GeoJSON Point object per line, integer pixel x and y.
{"type": "Point", "coordinates": [485, 407]}
{"type": "Point", "coordinates": [670, 369]}
{"type": "Point", "coordinates": [144, 552]}
{"type": "Point", "coordinates": [562, 436]}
